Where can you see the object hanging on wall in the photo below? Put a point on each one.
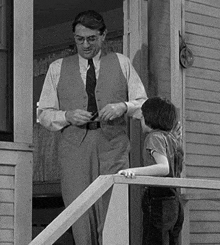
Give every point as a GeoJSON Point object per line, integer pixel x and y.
{"type": "Point", "coordinates": [186, 56]}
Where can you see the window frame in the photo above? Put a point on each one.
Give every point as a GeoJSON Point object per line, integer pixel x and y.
{"type": "Point", "coordinates": [6, 45]}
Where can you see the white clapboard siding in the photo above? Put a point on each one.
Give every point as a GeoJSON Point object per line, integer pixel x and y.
{"type": "Point", "coordinates": [206, 84]}
{"type": "Point", "coordinates": [203, 128]}
{"type": "Point", "coordinates": [15, 193]}
{"type": "Point", "coordinates": [207, 63]}
{"type": "Point", "coordinates": [202, 160]}
{"type": "Point", "coordinates": [210, 193]}
{"type": "Point", "coordinates": [202, 115]}
{"type": "Point", "coordinates": [202, 8]}
{"type": "Point", "coordinates": [7, 186]}
{"type": "Point", "coordinates": [210, 205]}
{"type": "Point", "coordinates": [202, 106]}
{"type": "Point", "coordinates": [195, 29]}
{"type": "Point", "coordinates": [203, 172]}
{"type": "Point", "coordinates": [201, 19]}
{"type": "Point", "coordinates": [206, 238]}
{"type": "Point", "coordinates": [202, 73]}
{"type": "Point", "coordinates": [6, 236]}
{"type": "Point", "coordinates": [203, 41]}
{"type": "Point", "coordinates": [205, 216]}
{"type": "Point", "coordinates": [7, 195]}
{"type": "Point", "coordinates": [212, 3]}
{"type": "Point", "coordinates": [202, 227]}
{"type": "Point", "coordinates": [203, 95]}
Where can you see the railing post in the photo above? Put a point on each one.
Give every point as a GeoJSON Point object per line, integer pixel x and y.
{"type": "Point", "coordinates": [116, 229]}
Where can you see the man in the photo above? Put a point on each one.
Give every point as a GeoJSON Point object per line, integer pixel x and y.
{"type": "Point", "coordinates": [87, 96]}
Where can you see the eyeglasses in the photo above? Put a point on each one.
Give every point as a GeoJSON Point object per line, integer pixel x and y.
{"type": "Point", "coordinates": [90, 39]}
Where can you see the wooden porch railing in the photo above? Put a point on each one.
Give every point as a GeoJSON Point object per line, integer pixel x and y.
{"type": "Point", "coordinates": [60, 224]}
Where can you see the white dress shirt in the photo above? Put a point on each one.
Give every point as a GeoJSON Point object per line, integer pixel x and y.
{"type": "Point", "coordinates": [49, 113]}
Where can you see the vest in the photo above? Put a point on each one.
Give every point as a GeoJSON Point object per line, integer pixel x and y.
{"type": "Point", "coordinates": [111, 87]}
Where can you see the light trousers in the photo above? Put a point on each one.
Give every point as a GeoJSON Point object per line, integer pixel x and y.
{"type": "Point", "coordinates": [80, 166]}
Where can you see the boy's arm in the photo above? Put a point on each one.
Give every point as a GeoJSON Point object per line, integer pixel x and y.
{"type": "Point", "coordinates": [161, 168]}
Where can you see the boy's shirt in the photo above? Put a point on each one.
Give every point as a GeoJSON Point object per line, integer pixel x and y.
{"type": "Point", "coordinates": [165, 144]}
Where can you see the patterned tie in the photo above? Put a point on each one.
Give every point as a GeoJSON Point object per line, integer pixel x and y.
{"type": "Point", "coordinates": [90, 87]}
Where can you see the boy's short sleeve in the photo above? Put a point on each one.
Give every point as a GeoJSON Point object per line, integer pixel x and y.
{"type": "Point", "coordinates": [156, 141]}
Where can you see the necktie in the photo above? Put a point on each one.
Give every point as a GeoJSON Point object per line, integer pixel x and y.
{"type": "Point", "coordinates": [90, 87]}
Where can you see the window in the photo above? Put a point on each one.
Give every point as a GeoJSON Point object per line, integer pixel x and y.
{"type": "Point", "coordinates": [6, 71]}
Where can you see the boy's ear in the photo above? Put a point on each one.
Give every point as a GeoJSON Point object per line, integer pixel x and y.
{"type": "Point", "coordinates": [178, 113]}
{"type": "Point", "coordinates": [145, 128]}
{"type": "Point", "coordinates": [104, 35]}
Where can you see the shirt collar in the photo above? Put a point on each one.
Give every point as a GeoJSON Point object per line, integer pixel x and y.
{"type": "Point", "coordinates": [84, 62]}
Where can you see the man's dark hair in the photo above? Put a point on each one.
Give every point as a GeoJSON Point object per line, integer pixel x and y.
{"type": "Point", "coordinates": [159, 113]}
{"type": "Point", "coordinates": [90, 19]}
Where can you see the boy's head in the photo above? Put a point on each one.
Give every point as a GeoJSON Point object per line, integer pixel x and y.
{"type": "Point", "coordinates": [159, 113]}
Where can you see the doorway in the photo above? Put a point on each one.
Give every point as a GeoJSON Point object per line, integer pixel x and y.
{"type": "Point", "coordinates": [53, 40]}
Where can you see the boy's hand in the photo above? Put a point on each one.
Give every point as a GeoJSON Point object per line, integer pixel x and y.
{"type": "Point", "coordinates": [177, 131]}
{"type": "Point", "coordinates": [128, 173]}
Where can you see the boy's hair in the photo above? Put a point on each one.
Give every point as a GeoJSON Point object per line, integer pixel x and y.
{"type": "Point", "coordinates": [90, 19]}
{"type": "Point", "coordinates": [159, 113]}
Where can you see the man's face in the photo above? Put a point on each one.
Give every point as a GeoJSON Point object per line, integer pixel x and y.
{"type": "Point", "coordinates": [88, 41]}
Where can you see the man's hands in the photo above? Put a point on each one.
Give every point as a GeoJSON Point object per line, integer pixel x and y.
{"type": "Point", "coordinates": [78, 117]}
{"type": "Point", "coordinates": [109, 112]}
{"type": "Point", "coordinates": [112, 111]}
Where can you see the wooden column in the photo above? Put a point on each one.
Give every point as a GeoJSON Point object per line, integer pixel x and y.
{"type": "Point", "coordinates": [177, 28]}
{"type": "Point", "coordinates": [21, 149]}
{"type": "Point", "coordinates": [23, 71]}
{"type": "Point", "coordinates": [176, 19]}
{"type": "Point", "coordinates": [135, 46]}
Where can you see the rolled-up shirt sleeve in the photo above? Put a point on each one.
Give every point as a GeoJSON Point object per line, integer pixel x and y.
{"type": "Point", "coordinates": [49, 114]}
{"type": "Point", "coordinates": [136, 91]}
